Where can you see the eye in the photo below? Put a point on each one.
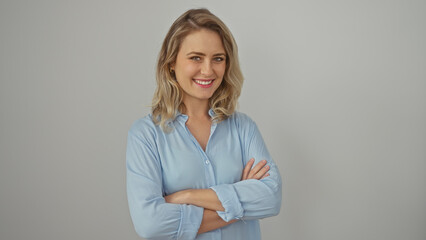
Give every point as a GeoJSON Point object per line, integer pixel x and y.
{"type": "Point", "coordinates": [219, 59]}
{"type": "Point", "coordinates": [195, 58]}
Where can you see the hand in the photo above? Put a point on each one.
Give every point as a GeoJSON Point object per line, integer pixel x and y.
{"type": "Point", "coordinates": [260, 171]}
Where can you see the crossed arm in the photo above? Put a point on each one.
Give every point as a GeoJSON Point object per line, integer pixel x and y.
{"type": "Point", "coordinates": [207, 198]}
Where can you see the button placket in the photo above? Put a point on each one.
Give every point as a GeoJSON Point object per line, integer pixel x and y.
{"type": "Point", "coordinates": [211, 178]}
{"type": "Point", "coordinates": [208, 168]}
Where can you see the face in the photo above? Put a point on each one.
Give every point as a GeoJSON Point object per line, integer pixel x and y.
{"type": "Point", "coordinates": [200, 65]}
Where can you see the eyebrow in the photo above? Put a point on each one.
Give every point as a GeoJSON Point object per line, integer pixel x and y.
{"type": "Point", "coordinates": [202, 54]}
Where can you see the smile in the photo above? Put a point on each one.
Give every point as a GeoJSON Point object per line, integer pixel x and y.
{"type": "Point", "coordinates": [204, 83]}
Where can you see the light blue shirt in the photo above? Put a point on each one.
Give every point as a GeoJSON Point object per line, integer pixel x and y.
{"type": "Point", "coordinates": [160, 164]}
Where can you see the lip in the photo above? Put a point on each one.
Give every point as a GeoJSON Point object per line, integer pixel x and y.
{"type": "Point", "coordinates": [204, 80]}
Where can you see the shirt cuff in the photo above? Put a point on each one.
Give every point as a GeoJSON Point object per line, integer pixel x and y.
{"type": "Point", "coordinates": [190, 221]}
{"type": "Point", "coordinates": [230, 202]}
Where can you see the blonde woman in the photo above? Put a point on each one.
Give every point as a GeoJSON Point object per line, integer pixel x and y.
{"type": "Point", "coordinates": [196, 168]}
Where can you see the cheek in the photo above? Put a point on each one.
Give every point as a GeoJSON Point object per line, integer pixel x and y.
{"type": "Point", "coordinates": [191, 70]}
{"type": "Point", "coordinates": [220, 70]}
{"type": "Point", "coordinates": [188, 68]}
{"type": "Point", "coordinates": [185, 71]}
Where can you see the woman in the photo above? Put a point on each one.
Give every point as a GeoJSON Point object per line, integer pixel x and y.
{"type": "Point", "coordinates": [190, 171]}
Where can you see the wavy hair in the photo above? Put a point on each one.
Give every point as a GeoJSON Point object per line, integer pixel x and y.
{"type": "Point", "coordinates": [167, 100]}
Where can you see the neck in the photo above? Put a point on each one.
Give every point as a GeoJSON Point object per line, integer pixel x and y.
{"type": "Point", "coordinates": [197, 109]}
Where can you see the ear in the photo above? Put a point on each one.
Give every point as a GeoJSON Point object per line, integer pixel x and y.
{"type": "Point", "coordinates": [172, 71]}
{"type": "Point", "coordinates": [172, 66]}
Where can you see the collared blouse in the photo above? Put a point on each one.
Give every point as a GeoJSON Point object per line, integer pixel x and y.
{"type": "Point", "coordinates": [160, 163]}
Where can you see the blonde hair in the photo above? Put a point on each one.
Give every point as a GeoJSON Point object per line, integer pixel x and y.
{"type": "Point", "coordinates": [167, 100]}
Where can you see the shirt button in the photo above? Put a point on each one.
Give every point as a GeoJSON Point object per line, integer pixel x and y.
{"type": "Point", "coordinates": [207, 162]}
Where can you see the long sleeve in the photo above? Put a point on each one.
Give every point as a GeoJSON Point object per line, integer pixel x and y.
{"type": "Point", "coordinates": [152, 217]}
{"type": "Point", "coordinates": [251, 199]}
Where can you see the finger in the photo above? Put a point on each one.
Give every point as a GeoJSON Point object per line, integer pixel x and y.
{"type": "Point", "coordinates": [247, 169]}
{"type": "Point", "coordinates": [261, 172]}
{"type": "Point", "coordinates": [264, 176]}
{"type": "Point", "coordinates": [256, 168]}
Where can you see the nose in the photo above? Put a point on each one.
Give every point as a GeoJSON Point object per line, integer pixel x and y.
{"type": "Point", "coordinates": [206, 68]}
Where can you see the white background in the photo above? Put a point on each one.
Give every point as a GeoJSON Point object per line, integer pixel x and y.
{"type": "Point", "coordinates": [338, 89]}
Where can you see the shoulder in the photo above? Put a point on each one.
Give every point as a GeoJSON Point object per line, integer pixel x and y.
{"type": "Point", "coordinates": [241, 119]}
{"type": "Point", "coordinates": [144, 129]}
{"type": "Point", "coordinates": [243, 123]}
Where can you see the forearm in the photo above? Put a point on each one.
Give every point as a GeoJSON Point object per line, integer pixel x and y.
{"type": "Point", "coordinates": [211, 221]}
{"type": "Point", "coordinates": [251, 198]}
{"type": "Point", "coordinates": [232, 200]}
{"type": "Point", "coordinates": [205, 198]}
{"type": "Point", "coordinates": [258, 198]}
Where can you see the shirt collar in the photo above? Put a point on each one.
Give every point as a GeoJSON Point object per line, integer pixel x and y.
{"type": "Point", "coordinates": [183, 118]}
{"type": "Point", "coordinates": [212, 113]}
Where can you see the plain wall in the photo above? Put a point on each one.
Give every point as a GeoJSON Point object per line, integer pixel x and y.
{"type": "Point", "coordinates": [338, 89]}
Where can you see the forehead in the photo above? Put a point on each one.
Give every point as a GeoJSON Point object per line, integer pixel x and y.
{"type": "Point", "coordinates": [203, 40]}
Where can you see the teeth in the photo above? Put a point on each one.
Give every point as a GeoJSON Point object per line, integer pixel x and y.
{"type": "Point", "coordinates": [203, 82]}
